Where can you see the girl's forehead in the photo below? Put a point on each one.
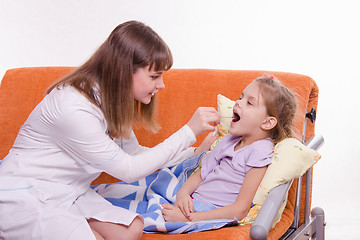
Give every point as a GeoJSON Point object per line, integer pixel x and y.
{"type": "Point", "coordinates": [253, 91]}
{"type": "Point", "coordinates": [252, 88]}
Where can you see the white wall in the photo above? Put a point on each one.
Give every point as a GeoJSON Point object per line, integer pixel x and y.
{"type": "Point", "coordinates": [317, 38]}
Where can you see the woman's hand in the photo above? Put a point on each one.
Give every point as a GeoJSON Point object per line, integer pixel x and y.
{"type": "Point", "coordinates": [208, 141]}
{"type": "Point", "coordinates": [201, 121]}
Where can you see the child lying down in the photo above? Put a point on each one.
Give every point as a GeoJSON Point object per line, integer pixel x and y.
{"type": "Point", "coordinates": [232, 172]}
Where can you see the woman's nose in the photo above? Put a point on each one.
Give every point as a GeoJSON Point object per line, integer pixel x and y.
{"type": "Point", "coordinates": [160, 83]}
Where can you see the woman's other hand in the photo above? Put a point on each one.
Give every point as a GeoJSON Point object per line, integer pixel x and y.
{"type": "Point", "coordinates": [208, 141]}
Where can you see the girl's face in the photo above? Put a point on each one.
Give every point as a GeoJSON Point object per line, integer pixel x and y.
{"type": "Point", "coordinates": [146, 82]}
{"type": "Point", "coordinates": [250, 114]}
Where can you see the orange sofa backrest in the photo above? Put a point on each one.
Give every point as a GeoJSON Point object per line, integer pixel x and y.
{"type": "Point", "coordinates": [187, 89]}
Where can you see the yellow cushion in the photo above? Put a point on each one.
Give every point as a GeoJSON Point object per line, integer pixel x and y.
{"type": "Point", "coordinates": [225, 109]}
{"type": "Point", "coordinates": [291, 160]}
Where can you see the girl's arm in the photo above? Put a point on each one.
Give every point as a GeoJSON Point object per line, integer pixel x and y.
{"type": "Point", "coordinates": [238, 210]}
{"type": "Point", "coordinates": [184, 201]}
{"type": "Point", "coordinates": [183, 197]}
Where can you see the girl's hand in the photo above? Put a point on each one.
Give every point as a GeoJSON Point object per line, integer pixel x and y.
{"type": "Point", "coordinates": [208, 141]}
{"type": "Point", "coordinates": [201, 121]}
{"type": "Point", "coordinates": [172, 213]}
{"type": "Point", "coordinates": [185, 203]}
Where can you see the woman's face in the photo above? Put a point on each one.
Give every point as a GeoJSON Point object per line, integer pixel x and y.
{"type": "Point", "coordinates": [146, 82]}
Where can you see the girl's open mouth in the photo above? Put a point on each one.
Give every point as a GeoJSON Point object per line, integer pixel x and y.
{"type": "Point", "coordinates": [236, 117]}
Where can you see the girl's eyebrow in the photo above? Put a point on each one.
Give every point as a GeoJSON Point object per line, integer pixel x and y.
{"type": "Point", "coordinates": [250, 98]}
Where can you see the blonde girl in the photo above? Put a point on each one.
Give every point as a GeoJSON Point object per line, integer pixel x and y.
{"type": "Point", "coordinates": [232, 172]}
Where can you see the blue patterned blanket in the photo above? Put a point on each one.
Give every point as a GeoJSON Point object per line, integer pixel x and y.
{"type": "Point", "coordinates": [146, 195]}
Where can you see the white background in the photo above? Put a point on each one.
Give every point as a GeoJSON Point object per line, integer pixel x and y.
{"type": "Point", "coordinates": [316, 38]}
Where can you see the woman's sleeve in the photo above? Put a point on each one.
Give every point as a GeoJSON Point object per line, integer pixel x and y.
{"type": "Point", "coordinates": [81, 134]}
{"type": "Point", "coordinates": [181, 156]}
{"type": "Point", "coordinates": [132, 147]}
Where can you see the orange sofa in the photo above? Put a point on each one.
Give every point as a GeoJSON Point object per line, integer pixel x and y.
{"type": "Point", "coordinates": [186, 89]}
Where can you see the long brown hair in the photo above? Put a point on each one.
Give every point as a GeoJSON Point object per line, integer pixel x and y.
{"type": "Point", "coordinates": [130, 46]}
{"type": "Point", "coordinates": [281, 104]}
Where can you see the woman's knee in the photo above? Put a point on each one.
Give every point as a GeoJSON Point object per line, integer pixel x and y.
{"type": "Point", "coordinates": [136, 228]}
{"type": "Point", "coordinates": [118, 231]}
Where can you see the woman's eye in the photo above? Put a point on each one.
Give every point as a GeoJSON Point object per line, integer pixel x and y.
{"type": "Point", "coordinates": [154, 77]}
{"type": "Point", "coordinates": [249, 103]}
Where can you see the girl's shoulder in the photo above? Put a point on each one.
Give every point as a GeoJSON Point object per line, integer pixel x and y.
{"type": "Point", "coordinates": [256, 153]}
{"type": "Point", "coordinates": [262, 144]}
{"type": "Point", "coordinates": [261, 148]}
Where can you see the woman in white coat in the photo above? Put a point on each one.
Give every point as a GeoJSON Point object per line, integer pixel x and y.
{"type": "Point", "coordinates": [84, 127]}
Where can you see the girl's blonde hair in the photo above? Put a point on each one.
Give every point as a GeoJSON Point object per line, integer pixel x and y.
{"type": "Point", "coordinates": [281, 104]}
{"type": "Point", "coordinates": [130, 46]}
